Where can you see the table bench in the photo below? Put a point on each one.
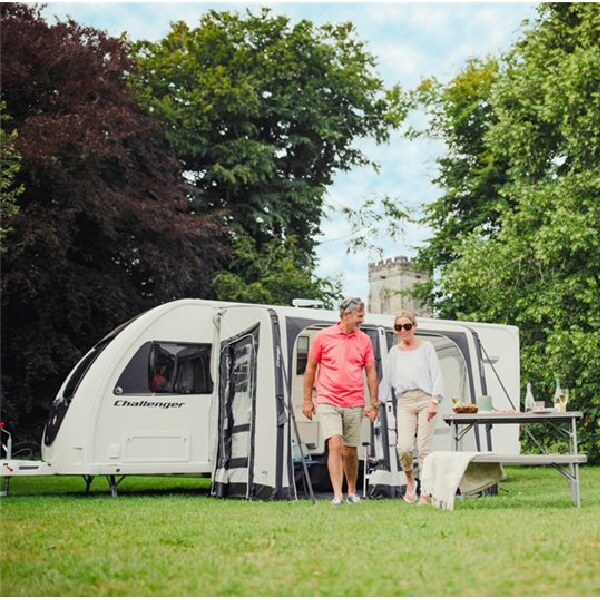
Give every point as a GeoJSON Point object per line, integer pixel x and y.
{"type": "Point", "coordinates": [462, 423]}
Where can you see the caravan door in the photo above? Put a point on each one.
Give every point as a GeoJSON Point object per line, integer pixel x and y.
{"type": "Point", "coordinates": [253, 437]}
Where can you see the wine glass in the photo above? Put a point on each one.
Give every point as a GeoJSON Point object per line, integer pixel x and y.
{"type": "Point", "coordinates": [563, 399]}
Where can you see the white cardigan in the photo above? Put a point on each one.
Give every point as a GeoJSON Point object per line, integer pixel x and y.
{"type": "Point", "coordinates": [417, 369]}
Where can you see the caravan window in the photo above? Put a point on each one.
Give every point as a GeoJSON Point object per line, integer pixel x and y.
{"type": "Point", "coordinates": [167, 368]}
{"type": "Point", "coordinates": [374, 337]}
{"type": "Point", "coordinates": [390, 338]}
{"type": "Point", "coordinates": [82, 368]}
{"type": "Point", "coordinates": [241, 374]}
{"type": "Point", "coordinates": [301, 353]}
{"type": "Point", "coordinates": [86, 362]}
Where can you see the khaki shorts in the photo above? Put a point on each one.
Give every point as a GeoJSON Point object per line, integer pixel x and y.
{"type": "Point", "coordinates": [336, 420]}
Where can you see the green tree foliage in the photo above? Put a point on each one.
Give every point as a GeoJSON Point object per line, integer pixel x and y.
{"type": "Point", "coordinates": [470, 174]}
{"type": "Point", "coordinates": [103, 230]}
{"type": "Point", "coordinates": [272, 276]}
{"type": "Point", "coordinates": [261, 113]}
{"type": "Point", "coordinates": [538, 266]}
{"type": "Point", "coordinates": [10, 165]}
{"type": "Point", "coordinates": [377, 217]}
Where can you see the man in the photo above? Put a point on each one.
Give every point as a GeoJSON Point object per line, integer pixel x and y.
{"type": "Point", "coordinates": [342, 352]}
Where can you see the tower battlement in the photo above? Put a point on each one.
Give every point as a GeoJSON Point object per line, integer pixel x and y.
{"type": "Point", "coordinates": [389, 282]}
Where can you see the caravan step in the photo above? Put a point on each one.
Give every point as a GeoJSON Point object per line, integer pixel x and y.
{"type": "Point", "coordinates": [14, 468]}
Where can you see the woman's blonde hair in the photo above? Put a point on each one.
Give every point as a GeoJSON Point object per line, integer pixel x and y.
{"type": "Point", "coordinates": [408, 315]}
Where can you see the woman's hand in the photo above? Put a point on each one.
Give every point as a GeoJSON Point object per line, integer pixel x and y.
{"type": "Point", "coordinates": [432, 410]}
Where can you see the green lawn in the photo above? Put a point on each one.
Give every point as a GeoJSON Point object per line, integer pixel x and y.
{"type": "Point", "coordinates": [166, 537]}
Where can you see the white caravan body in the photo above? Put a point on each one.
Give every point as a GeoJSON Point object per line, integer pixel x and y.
{"type": "Point", "coordinates": [106, 419]}
{"type": "Point", "coordinates": [215, 388]}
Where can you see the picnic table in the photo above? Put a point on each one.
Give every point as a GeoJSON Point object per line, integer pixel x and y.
{"type": "Point", "coordinates": [564, 424]}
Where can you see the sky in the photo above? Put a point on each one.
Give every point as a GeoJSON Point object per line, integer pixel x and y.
{"type": "Point", "coordinates": [410, 40]}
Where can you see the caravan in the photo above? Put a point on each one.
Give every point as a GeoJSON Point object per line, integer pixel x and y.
{"type": "Point", "coordinates": [215, 388]}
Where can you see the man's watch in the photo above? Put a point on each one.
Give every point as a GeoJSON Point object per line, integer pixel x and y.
{"type": "Point", "coordinates": [375, 404]}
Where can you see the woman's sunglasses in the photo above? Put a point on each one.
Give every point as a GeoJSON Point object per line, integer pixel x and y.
{"type": "Point", "coordinates": [401, 326]}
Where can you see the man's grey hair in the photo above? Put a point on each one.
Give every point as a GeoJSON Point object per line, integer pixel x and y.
{"type": "Point", "coordinates": [349, 304]}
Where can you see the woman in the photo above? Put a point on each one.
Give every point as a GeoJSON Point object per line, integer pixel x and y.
{"type": "Point", "coordinates": [412, 373]}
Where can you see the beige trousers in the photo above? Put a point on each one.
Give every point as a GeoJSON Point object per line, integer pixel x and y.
{"type": "Point", "coordinates": [413, 406]}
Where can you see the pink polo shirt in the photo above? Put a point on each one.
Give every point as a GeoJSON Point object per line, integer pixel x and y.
{"type": "Point", "coordinates": [341, 358]}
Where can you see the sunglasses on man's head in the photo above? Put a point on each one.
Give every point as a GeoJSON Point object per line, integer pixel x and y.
{"type": "Point", "coordinates": [401, 326]}
{"type": "Point", "coordinates": [348, 302]}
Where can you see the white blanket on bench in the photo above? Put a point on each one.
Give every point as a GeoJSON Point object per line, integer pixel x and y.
{"type": "Point", "coordinates": [444, 472]}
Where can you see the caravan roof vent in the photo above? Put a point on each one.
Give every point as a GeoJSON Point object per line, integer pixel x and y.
{"type": "Point", "coordinates": [307, 303]}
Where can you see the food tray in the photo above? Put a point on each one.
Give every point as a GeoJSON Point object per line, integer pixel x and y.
{"type": "Point", "coordinates": [467, 408]}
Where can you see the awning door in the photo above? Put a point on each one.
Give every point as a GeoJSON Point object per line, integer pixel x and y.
{"type": "Point", "coordinates": [252, 455]}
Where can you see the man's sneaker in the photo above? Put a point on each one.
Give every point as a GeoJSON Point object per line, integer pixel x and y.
{"type": "Point", "coordinates": [336, 502]}
{"type": "Point", "coordinates": [353, 499]}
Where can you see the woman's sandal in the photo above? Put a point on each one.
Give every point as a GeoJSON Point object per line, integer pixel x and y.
{"type": "Point", "coordinates": [410, 498]}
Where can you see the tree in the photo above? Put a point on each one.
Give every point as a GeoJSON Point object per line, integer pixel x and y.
{"type": "Point", "coordinates": [261, 113]}
{"type": "Point", "coordinates": [104, 229]}
{"type": "Point", "coordinates": [460, 114]}
{"type": "Point", "coordinates": [272, 276]}
{"type": "Point", "coordinates": [539, 267]}
{"type": "Point", "coordinates": [9, 168]}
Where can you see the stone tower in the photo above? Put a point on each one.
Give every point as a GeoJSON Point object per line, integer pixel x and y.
{"type": "Point", "coordinates": [392, 275]}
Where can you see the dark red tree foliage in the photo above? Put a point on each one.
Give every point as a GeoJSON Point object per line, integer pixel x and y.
{"type": "Point", "coordinates": [104, 229]}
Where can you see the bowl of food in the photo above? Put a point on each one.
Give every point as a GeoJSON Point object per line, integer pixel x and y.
{"type": "Point", "coordinates": [465, 408]}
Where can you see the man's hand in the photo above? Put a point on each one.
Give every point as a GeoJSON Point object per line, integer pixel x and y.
{"type": "Point", "coordinates": [371, 412]}
{"type": "Point", "coordinates": [308, 409]}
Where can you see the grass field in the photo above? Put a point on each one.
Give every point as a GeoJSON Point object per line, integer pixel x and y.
{"type": "Point", "coordinates": [167, 537]}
